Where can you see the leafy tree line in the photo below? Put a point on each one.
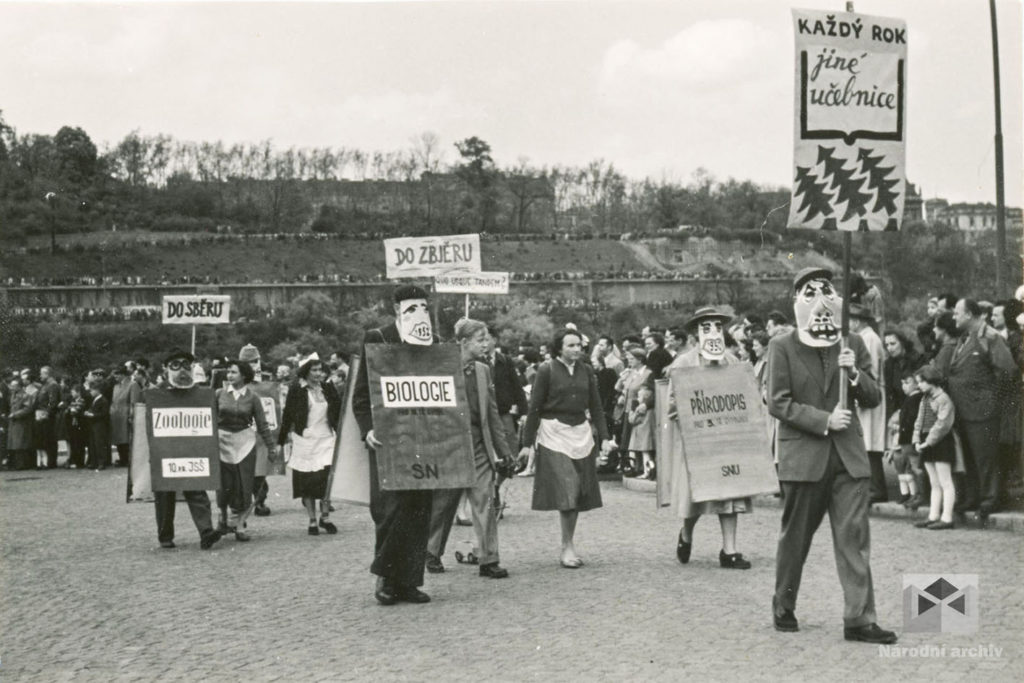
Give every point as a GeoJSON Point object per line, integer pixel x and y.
{"type": "Point", "coordinates": [65, 183]}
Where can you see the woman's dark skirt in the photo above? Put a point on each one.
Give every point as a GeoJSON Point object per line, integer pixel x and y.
{"type": "Point", "coordinates": [562, 483]}
{"type": "Point", "coordinates": [943, 451]}
{"type": "Point", "coordinates": [310, 484]}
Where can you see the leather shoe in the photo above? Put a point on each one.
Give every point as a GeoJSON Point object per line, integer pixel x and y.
{"type": "Point", "coordinates": [411, 594]}
{"type": "Point", "coordinates": [493, 571]}
{"type": "Point", "coordinates": [925, 523]}
{"type": "Point", "coordinates": [167, 544]}
{"type": "Point", "coordinates": [733, 561]}
{"type": "Point", "coordinates": [384, 593]}
{"type": "Point", "coordinates": [870, 633]}
{"type": "Point", "coordinates": [786, 622]}
{"type": "Point", "coordinates": [683, 549]}
{"type": "Point", "coordinates": [328, 526]}
{"type": "Point", "coordinates": [938, 526]}
{"type": "Point", "coordinates": [434, 565]}
{"type": "Point", "coordinates": [209, 538]}
{"type": "Point", "coordinates": [261, 510]}
{"type": "Point", "coordinates": [242, 537]}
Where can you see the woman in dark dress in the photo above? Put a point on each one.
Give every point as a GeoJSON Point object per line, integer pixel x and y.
{"type": "Point", "coordinates": [564, 392]}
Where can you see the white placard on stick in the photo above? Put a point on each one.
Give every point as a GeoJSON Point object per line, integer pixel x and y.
{"type": "Point", "coordinates": [430, 256]}
{"type": "Point", "coordinates": [471, 283]}
{"type": "Point", "coordinates": [197, 309]}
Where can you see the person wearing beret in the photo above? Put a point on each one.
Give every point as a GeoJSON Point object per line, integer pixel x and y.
{"type": "Point", "coordinates": [823, 464]}
{"type": "Point", "coordinates": [707, 325]}
{"type": "Point", "coordinates": [178, 379]}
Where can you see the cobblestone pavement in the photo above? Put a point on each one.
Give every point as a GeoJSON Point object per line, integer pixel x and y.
{"type": "Point", "coordinates": [87, 594]}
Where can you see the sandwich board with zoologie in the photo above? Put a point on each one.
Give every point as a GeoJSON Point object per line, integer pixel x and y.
{"type": "Point", "coordinates": [181, 427]}
{"type": "Point", "coordinates": [722, 422]}
{"type": "Point", "coordinates": [420, 415]}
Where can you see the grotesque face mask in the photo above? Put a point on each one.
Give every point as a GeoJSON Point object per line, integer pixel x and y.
{"type": "Point", "coordinates": [817, 309]}
{"type": "Point", "coordinates": [413, 322]}
{"type": "Point", "coordinates": [711, 340]}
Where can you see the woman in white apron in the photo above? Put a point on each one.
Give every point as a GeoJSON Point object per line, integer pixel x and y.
{"type": "Point", "coordinates": [310, 413]}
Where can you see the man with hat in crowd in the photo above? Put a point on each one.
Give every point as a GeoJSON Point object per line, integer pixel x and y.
{"type": "Point", "coordinates": [872, 420]}
{"type": "Point", "coordinates": [251, 355]}
{"type": "Point", "coordinates": [401, 518]}
{"type": "Point", "coordinates": [823, 464]}
{"type": "Point", "coordinates": [708, 325]}
{"type": "Point", "coordinates": [178, 374]}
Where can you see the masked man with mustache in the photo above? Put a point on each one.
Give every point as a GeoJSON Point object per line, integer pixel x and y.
{"type": "Point", "coordinates": [823, 465]}
{"type": "Point", "coordinates": [178, 371]}
{"type": "Point", "coordinates": [401, 518]}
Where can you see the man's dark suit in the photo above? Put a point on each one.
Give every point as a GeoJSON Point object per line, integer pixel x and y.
{"type": "Point", "coordinates": [980, 367]}
{"type": "Point", "coordinates": [821, 470]}
{"type": "Point", "coordinates": [401, 518]}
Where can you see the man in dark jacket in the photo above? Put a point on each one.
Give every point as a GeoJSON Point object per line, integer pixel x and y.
{"type": "Point", "coordinates": [47, 402]}
{"type": "Point", "coordinates": [401, 518]}
{"type": "Point", "coordinates": [980, 367]}
{"type": "Point", "coordinates": [823, 464]}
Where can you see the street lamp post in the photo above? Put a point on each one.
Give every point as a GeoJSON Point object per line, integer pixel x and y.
{"type": "Point", "coordinates": [51, 199]}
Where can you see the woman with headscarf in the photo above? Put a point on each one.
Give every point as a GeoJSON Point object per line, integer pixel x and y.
{"type": "Point", "coordinates": [310, 412]}
{"type": "Point", "coordinates": [238, 411]}
{"type": "Point", "coordinates": [557, 426]}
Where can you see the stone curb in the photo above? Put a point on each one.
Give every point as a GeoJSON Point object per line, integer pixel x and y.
{"type": "Point", "coordinates": [1004, 521]}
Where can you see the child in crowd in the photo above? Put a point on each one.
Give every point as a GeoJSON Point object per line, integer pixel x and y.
{"type": "Point", "coordinates": [906, 460]}
{"type": "Point", "coordinates": [641, 438]}
{"type": "Point", "coordinates": [933, 440]}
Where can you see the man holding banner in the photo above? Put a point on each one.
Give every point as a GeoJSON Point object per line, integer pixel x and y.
{"type": "Point", "coordinates": [823, 464]}
{"type": "Point", "coordinates": [179, 418]}
{"type": "Point", "coordinates": [401, 517]}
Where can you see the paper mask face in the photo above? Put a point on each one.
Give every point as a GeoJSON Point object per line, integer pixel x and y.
{"type": "Point", "coordinates": [711, 340]}
{"type": "Point", "coordinates": [414, 326]}
{"type": "Point", "coordinates": [817, 309]}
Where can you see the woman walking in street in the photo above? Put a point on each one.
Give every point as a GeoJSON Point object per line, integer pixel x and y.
{"type": "Point", "coordinates": [310, 412]}
{"type": "Point", "coordinates": [559, 431]}
{"type": "Point", "coordinates": [238, 410]}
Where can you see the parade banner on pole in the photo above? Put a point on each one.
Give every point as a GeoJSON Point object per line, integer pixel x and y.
{"type": "Point", "coordinates": [430, 256]}
{"type": "Point", "coordinates": [197, 309]}
{"type": "Point", "coordinates": [349, 479]}
{"type": "Point", "coordinates": [722, 422]}
{"type": "Point", "coordinates": [421, 416]}
{"type": "Point", "coordinates": [181, 425]}
{"type": "Point", "coordinates": [471, 283]}
{"type": "Point", "coordinates": [850, 123]}
{"type": "Point", "coordinates": [269, 394]}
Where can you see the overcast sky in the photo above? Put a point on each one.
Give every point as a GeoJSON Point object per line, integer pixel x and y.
{"type": "Point", "coordinates": [657, 88]}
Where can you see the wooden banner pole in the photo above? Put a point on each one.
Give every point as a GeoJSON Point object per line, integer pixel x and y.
{"type": "Point", "coordinates": [193, 340]}
{"type": "Point", "coordinates": [845, 325]}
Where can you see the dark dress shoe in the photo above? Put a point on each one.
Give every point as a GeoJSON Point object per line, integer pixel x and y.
{"type": "Point", "coordinates": [870, 633]}
{"type": "Point", "coordinates": [493, 571]}
{"type": "Point", "coordinates": [786, 622]}
{"type": "Point", "coordinates": [261, 510]}
{"type": "Point", "coordinates": [312, 530]}
{"type": "Point", "coordinates": [242, 537]}
{"type": "Point", "coordinates": [925, 523]}
{"type": "Point", "coordinates": [384, 593]}
{"type": "Point", "coordinates": [411, 594]}
{"type": "Point", "coordinates": [938, 526]}
{"type": "Point", "coordinates": [209, 538]}
{"type": "Point", "coordinates": [733, 561]}
{"type": "Point", "coordinates": [683, 549]}
{"type": "Point", "coordinates": [434, 565]}
{"type": "Point", "coordinates": [328, 526]}
{"type": "Point", "coordinates": [167, 544]}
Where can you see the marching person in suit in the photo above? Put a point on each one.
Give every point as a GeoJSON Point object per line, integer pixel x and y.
{"type": "Point", "coordinates": [98, 415]}
{"type": "Point", "coordinates": [823, 464]}
{"type": "Point", "coordinates": [401, 518]}
{"type": "Point", "coordinates": [490, 449]}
